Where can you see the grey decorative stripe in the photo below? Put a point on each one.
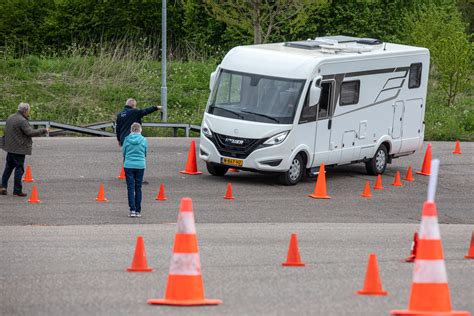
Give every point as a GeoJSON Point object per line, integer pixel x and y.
{"type": "Point", "coordinates": [401, 84]}
{"type": "Point", "coordinates": [399, 88]}
{"type": "Point", "coordinates": [369, 105]}
{"type": "Point", "coordinates": [339, 78]}
{"type": "Point", "coordinates": [402, 69]}
{"type": "Point", "coordinates": [369, 72]}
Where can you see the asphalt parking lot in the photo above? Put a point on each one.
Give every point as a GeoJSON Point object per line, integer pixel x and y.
{"type": "Point", "coordinates": [69, 171]}
{"type": "Point", "coordinates": [67, 255]}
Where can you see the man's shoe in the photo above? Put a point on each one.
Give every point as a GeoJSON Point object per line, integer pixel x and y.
{"type": "Point", "coordinates": [132, 214]}
{"type": "Point", "coordinates": [145, 182]}
{"type": "Point", "coordinates": [21, 194]}
{"type": "Point", "coordinates": [138, 215]}
{"type": "Point", "coordinates": [3, 191]}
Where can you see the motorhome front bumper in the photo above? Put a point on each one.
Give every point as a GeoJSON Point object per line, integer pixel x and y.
{"type": "Point", "coordinates": [251, 155]}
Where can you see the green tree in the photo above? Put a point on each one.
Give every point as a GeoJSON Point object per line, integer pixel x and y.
{"type": "Point", "coordinates": [259, 19]}
{"type": "Point", "coordinates": [202, 33]}
{"type": "Point", "coordinates": [442, 31]}
{"type": "Point", "coordinates": [21, 24]}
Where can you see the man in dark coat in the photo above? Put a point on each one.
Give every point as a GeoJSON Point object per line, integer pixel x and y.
{"type": "Point", "coordinates": [17, 143]}
{"type": "Point", "coordinates": [129, 115]}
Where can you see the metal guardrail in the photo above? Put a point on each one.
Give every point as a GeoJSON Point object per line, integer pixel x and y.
{"type": "Point", "coordinates": [98, 129]}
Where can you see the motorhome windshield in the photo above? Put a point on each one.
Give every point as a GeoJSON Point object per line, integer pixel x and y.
{"type": "Point", "coordinates": [256, 98]}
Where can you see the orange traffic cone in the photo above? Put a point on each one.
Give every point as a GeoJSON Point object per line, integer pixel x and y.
{"type": "Point", "coordinates": [430, 290]}
{"type": "Point", "coordinates": [470, 253]}
{"type": "Point", "coordinates": [378, 183]}
{"type": "Point", "coordinates": [293, 259]}
{"type": "Point", "coordinates": [396, 181]}
{"type": "Point", "coordinates": [185, 286]}
{"type": "Point", "coordinates": [414, 246]}
{"type": "Point", "coordinates": [457, 148]}
{"type": "Point", "coordinates": [409, 175]}
{"type": "Point", "coordinates": [139, 263]}
{"type": "Point", "coordinates": [28, 175]}
{"type": "Point", "coordinates": [320, 187]}
{"type": "Point", "coordinates": [101, 195]}
{"type": "Point", "coordinates": [161, 194]}
{"type": "Point", "coordinates": [122, 174]}
{"type": "Point", "coordinates": [366, 192]}
{"type": "Point", "coordinates": [233, 170]}
{"type": "Point", "coordinates": [372, 283]}
{"type": "Point", "coordinates": [426, 168]}
{"type": "Point", "coordinates": [34, 196]}
{"type": "Point", "coordinates": [228, 193]}
{"type": "Point", "coordinates": [191, 165]}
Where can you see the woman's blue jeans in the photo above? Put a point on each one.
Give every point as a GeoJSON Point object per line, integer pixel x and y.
{"type": "Point", "coordinates": [134, 178]}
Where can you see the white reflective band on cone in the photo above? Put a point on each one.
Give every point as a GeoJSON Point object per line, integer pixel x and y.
{"type": "Point", "coordinates": [185, 264]}
{"type": "Point", "coordinates": [186, 223]}
{"type": "Point", "coordinates": [429, 228]}
{"type": "Point", "coordinates": [429, 271]}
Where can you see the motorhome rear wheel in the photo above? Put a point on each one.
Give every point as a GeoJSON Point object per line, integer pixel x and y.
{"type": "Point", "coordinates": [378, 163]}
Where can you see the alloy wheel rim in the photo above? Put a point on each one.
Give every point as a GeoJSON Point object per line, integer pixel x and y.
{"type": "Point", "coordinates": [295, 170]}
{"type": "Point", "coordinates": [380, 160]}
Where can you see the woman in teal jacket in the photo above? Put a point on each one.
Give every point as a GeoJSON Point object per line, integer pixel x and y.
{"type": "Point", "coordinates": [134, 150]}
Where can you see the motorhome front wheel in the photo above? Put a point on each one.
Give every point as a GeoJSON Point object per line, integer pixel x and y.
{"type": "Point", "coordinates": [216, 170]}
{"type": "Point", "coordinates": [295, 173]}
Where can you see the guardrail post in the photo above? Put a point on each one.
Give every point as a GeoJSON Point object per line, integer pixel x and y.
{"type": "Point", "coordinates": [175, 131]}
{"type": "Point", "coordinates": [48, 126]}
{"type": "Point", "coordinates": [187, 131]}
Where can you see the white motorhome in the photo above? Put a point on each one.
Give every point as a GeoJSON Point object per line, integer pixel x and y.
{"type": "Point", "coordinates": [288, 107]}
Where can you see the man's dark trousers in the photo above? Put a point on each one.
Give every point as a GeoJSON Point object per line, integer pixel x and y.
{"type": "Point", "coordinates": [14, 161]}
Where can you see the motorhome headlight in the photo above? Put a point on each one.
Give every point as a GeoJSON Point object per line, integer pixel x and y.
{"type": "Point", "coordinates": [277, 139]}
{"type": "Point", "coordinates": [206, 131]}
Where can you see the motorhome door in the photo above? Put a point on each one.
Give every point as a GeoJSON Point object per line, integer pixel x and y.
{"type": "Point", "coordinates": [323, 123]}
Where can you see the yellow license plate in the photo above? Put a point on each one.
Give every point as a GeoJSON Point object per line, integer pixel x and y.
{"type": "Point", "coordinates": [233, 162]}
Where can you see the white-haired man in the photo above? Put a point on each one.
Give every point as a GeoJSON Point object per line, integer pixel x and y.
{"type": "Point", "coordinates": [129, 115]}
{"type": "Point", "coordinates": [17, 143]}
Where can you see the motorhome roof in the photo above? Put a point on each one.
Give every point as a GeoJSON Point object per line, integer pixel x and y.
{"type": "Point", "coordinates": [297, 59]}
{"type": "Point", "coordinates": [336, 46]}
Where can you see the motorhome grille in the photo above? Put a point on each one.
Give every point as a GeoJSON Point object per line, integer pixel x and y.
{"type": "Point", "coordinates": [236, 147]}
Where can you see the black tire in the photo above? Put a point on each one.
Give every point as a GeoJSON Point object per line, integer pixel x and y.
{"type": "Point", "coordinates": [378, 163]}
{"type": "Point", "coordinates": [295, 173]}
{"type": "Point", "coordinates": [216, 170]}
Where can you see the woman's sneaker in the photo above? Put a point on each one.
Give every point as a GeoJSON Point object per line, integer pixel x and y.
{"type": "Point", "coordinates": [138, 215]}
{"type": "Point", "coordinates": [132, 214]}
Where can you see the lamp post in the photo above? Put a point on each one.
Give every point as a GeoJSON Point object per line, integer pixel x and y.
{"type": "Point", "coordinates": [164, 90]}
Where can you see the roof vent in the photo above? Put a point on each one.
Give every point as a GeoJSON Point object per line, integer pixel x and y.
{"type": "Point", "coordinates": [338, 43]}
{"type": "Point", "coordinates": [369, 41]}
{"type": "Point", "coordinates": [309, 44]}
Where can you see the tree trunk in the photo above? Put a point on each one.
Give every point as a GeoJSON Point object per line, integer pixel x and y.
{"type": "Point", "coordinates": [257, 28]}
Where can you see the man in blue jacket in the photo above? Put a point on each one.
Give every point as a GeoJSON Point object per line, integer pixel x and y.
{"type": "Point", "coordinates": [129, 115]}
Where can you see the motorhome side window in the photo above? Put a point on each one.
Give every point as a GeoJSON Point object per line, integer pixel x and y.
{"type": "Point", "coordinates": [325, 100]}
{"type": "Point", "coordinates": [253, 97]}
{"type": "Point", "coordinates": [308, 113]}
{"type": "Point", "coordinates": [349, 92]}
{"type": "Point", "coordinates": [414, 80]}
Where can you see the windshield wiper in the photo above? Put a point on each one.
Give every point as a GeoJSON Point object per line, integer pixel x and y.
{"type": "Point", "coordinates": [262, 115]}
{"type": "Point", "coordinates": [227, 110]}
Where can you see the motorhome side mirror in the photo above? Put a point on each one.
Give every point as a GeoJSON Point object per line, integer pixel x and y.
{"type": "Point", "coordinates": [314, 95]}
{"type": "Point", "coordinates": [212, 79]}
{"type": "Point", "coordinates": [317, 81]}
